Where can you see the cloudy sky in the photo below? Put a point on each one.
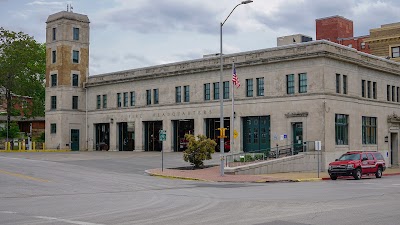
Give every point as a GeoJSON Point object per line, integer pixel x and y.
{"type": "Point", "coordinates": [128, 34]}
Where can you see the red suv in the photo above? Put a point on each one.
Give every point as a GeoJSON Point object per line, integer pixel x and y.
{"type": "Point", "coordinates": [356, 164]}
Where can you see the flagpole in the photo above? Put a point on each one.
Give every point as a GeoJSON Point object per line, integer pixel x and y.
{"type": "Point", "coordinates": [233, 108]}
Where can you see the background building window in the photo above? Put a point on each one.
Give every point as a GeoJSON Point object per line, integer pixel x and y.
{"type": "Point", "coordinates": [75, 56]}
{"type": "Point", "coordinates": [341, 129]}
{"type": "Point", "coordinates": [178, 94]}
{"type": "Point", "coordinates": [54, 56]}
{"type": "Point", "coordinates": [104, 101]}
{"type": "Point", "coordinates": [216, 90]}
{"type": "Point", "coordinates": [344, 84]}
{"type": "Point", "coordinates": [226, 89]}
{"type": "Point", "coordinates": [290, 84]}
{"type": "Point", "coordinates": [363, 88]}
{"type": "Point", "coordinates": [74, 102]}
{"type": "Point", "coordinates": [388, 92]}
{"type": "Point", "coordinates": [98, 101]}
{"type": "Point", "coordinates": [398, 94]}
{"type": "Point", "coordinates": [186, 90]}
{"type": "Point", "coordinates": [337, 83]}
{"type": "Point", "coordinates": [302, 83]}
{"type": "Point", "coordinates": [148, 97]}
{"type": "Point", "coordinates": [76, 33]}
{"type": "Point", "coordinates": [133, 98]}
{"type": "Point", "coordinates": [155, 92]}
{"type": "Point", "coordinates": [53, 102]}
{"type": "Point", "coordinates": [369, 130]}
{"type": "Point", "coordinates": [53, 128]}
{"type": "Point", "coordinates": [54, 80]}
{"type": "Point", "coordinates": [249, 87]}
{"type": "Point", "coordinates": [374, 91]}
{"type": "Point", "coordinates": [369, 89]}
{"type": "Point", "coordinates": [75, 80]}
{"type": "Point", "coordinates": [260, 86]}
{"type": "Point", "coordinates": [125, 99]}
{"type": "Point", "coordinates": [207, 91]}
{"type": "Point", "coordinates": [393, 93]}
{"type": "Point", "coordinates": [54, 33]}
{"type": "Point", "coordinates": [396, 52]}
{"type": "Point", "coordinates": [119, 103]}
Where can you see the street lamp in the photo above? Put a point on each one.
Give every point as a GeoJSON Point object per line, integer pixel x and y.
{"type": "Point", "coordinates": [221, 94]}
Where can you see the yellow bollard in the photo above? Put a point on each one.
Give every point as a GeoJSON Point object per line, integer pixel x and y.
{"type": "Point", "coordinates": [6, 145]}
{"type": "Point", "coordinates": [44, 146]}
{"type": "Point", "coordinates": [9, 146]}
{"type": "Point", "coordinates": [34, 146]}
{"type": "Point", "coordinates": [19, 146]}
{"type": "Point", "coordinates": [23, 145]}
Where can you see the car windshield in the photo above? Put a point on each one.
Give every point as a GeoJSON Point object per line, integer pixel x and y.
{"type": "Point", "coordinates": [349, 157]}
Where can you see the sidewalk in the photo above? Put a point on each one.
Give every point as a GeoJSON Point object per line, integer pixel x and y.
{"type": "Point", "coordinates": [213, 174]}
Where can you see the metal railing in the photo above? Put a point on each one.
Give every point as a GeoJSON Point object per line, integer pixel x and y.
{"type": "Point", "coordinates": [243, 158]}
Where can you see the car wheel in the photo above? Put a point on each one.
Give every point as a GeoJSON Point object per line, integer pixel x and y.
{"type": "Point", "coordinates": [357, 174]}
{"type": "Point", "coordinates": [333, 177]}
{"type": "Point", "coordinates": [378, 173]}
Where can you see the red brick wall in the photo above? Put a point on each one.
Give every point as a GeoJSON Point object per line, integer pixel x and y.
{"type": "Point", "coordinates": [333, 28]}
{"type": "Point", "coordinates": [356, 44]}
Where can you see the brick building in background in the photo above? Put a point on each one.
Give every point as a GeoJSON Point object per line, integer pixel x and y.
{"type": "Point", "coordinates": [340, 30]}
{"type": "Point", "coordinates": [385, 41]}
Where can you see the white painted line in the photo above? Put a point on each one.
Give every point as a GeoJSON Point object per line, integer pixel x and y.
{"type": "Point", "coordinates": [8, 212]}
{"type": "Point", "coordinates": [396, 184]}
{"type": "Point", "coordinates": [66, 221]}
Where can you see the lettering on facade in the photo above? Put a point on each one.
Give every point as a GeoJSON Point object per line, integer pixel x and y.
{"type": "Point", "coordinates": [183, 113]}
{"type": "Point", "coordinates": [296, 114]}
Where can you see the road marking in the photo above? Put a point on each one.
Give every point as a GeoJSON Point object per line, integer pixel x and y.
{"type": "Point", "coordinates": [66, 221]}
{"type": "Point", "coordinates": [396, 184]}
{"type": "Point", "coordinates": [23, 176]}
{"type": "Point", "coordinates": [8, 212]}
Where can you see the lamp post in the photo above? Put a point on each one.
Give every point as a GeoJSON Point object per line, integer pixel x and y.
{"type": "Point", "coordinates": [221, 94]}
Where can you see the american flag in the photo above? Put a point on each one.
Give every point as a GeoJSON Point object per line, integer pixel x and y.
{"type": "Point", "coordinates": [235, 79]}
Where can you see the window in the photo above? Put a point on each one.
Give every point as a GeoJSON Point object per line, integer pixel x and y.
{"type": "Point", "coordinates": [98, 101]}
{"type": "Point", "coordinates": [133, 98]}
{"type": "Point", "coordinates": [249, 87]}
{"type": "Point", "coordinates": [53, 128]}
{"type": "Point", "coordinates": [155, 91]}
{"type": "Point", "coordinates": [148, 97]}
{"type": "Point", "coordinates": [369, 130]}
{"type": "Point", "coordinates": [302, 83]}
{"type": "Point", "coordinates": [76, 33]}
{"type": "Point", "coordinates": [104, 101]}
{"type": "Point", "coordinates": [363, 88]}
{"type": "Point", "coordinates": [207, 91]}
{"type": "Point", "coordinates": [369, 89]}
{"type": "Point", "coordinates": [398, 94]}
{"type": "Point", "coordinates": [54, 56]}
{"type": "Point", "coordinates": [362, 45]}
{"type": "Point", "coordinates": [119, 103]}
{"type": "Point", "coordinates": [374, 90]}
{"type": "Point", "coordinates": [341, 129]}
{"type": "Point", "coordinates": [396, 52]}
{"type": "Point", "coordinates": [260, 86]}
{"type": "Point", "coordinates": [54, 80]}
{"type": "Point", "coordinates": [388, 93]}
{"type": "Point", "coordinates": [187, 93]}
{"type": "Point", "coordinates": [178, 94]}
{"type": "Point", "coordinates": [290, 84]}
{"type": "Point", "coordinates": [216, 90]}
{"type": "Point", "coordinates": [393, 93]}
{"type": "Point", "coordinates": [226, 89]}
{"type": "Point", "coordinates": [75, 79]}
{"type": "Point", "coordinates": [337, 83]}
{"type": "Point", "coordinates": [125, 99]}
{"type": "Point", "coordinates": [74, 102]}
{"type": "Point", "coordinates": [54, 33]}
{"type": "Point", "coordinates": [53, 102]}
{"type": "Point", "coordinates": [344, 84]}
{"type": "Point", "coordinates": [350, 45]}
{"type": "Point", "coordinates": [75, 56]}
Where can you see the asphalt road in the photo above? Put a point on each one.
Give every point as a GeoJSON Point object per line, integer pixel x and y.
{"type": "Point", "coordinates": [112, 188]}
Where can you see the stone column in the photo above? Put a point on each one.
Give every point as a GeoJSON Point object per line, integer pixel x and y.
{"type": "Point", "coordinates": [167, 144]}
{"type": "Point", "coordinates": [199, 126]}
{"type": "Point", "coordinates": [113, 136]}
{"type": "Point", "coordinates": [139, 136]}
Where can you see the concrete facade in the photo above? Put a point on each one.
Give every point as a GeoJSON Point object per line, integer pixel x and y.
{"type": "Point", "coordinates": [293, 39]}
{"type": "Point", "coordinates": [324, 64]}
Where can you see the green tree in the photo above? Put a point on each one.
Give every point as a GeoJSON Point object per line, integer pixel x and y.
{"type": "Point", "coordinates": [22, 71]}
{"type": "Point", "coordinates": [198, 150]}
{"type": "Point", "coordinates": [13, 131]}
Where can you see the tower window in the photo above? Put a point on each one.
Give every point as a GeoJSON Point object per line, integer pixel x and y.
{"type": "Point", "coordinates": [74, 102]}
{"type": "Point", "coordinates": [75, 79]}
{"type": "Point", "coordinates": [76, 33]}
{"type": "Point", "coordinates": [54, 56]}
{"type": "Point", "coordinates": [54, 33]}
{"type": "Point", "coordinates": [54, 80]}
{"type": "Point", "coordinates": [75, 56]}
{"type": "Point", "coordinates": [53, 102]}
{"type": "Point", "coordinates": [53, 128]}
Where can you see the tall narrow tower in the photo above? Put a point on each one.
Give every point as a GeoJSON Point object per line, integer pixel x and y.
{"type": "Point", "coordinates": [67, 70]}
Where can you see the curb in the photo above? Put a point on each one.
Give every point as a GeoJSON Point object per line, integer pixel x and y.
{"type": "Point", "coordinates": [309, 180]}
{"type": "Point", "coordinates": [175, 177]}
{"type": "Point", "coordinates": [49, 150]}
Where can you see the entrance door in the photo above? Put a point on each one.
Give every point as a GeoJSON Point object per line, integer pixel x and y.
{"type": "Point", "coordinates": [182, 127]}
{"type": "Point", "coordinates": [394, 150]}
{"type": "Point", "coordinates": [256, 135]}
{"type": "Point", "coordinates": [152, 142]}
{"type": "Point", "coordinates": [297, 137]}
{"type": "Point", "coordinates": [74, 140]}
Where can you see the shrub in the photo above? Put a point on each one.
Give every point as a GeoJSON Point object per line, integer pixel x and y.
{"type": "Point", "coordinates": [198, 150]}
